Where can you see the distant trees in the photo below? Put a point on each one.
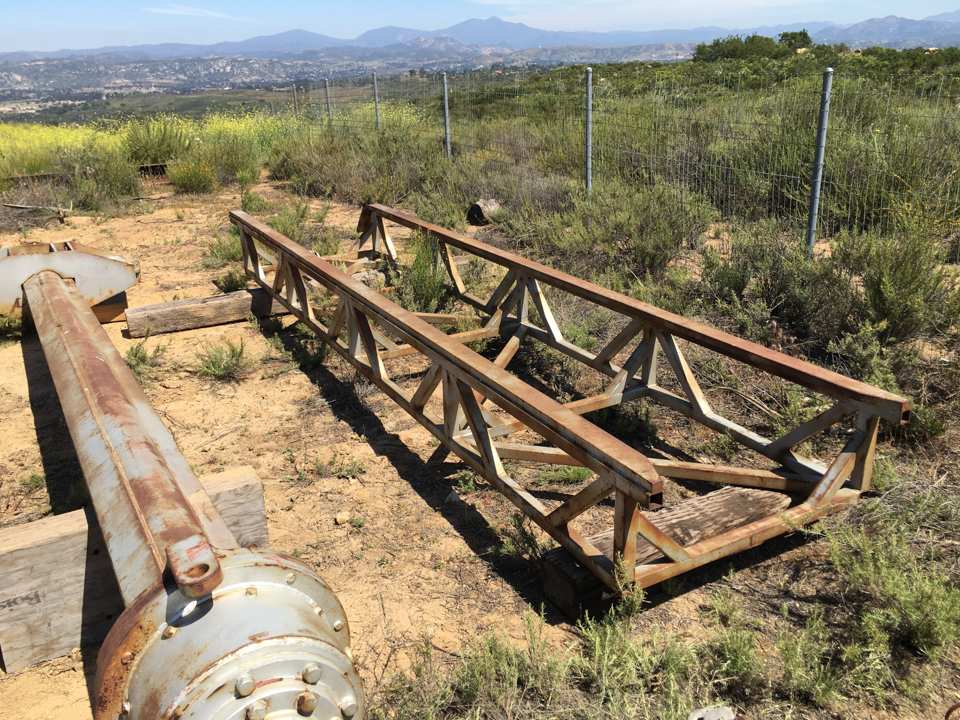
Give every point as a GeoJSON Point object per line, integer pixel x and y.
{"type": "Point", "coordinates": [752, 46]}
{"type": "Point", "coordinates": [795, 40]}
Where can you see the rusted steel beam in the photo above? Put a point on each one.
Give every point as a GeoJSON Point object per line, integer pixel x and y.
{"type": "Point", "coordinates": [210, 629]}
{"type": "Point", "coordinates": [598, 449]}
{"type": "Point", "coordinates": [890, 406]}
{"type": "Point", "coordinates": [471, 385]}
{"type": "Point", "coordinates": [138, 480]}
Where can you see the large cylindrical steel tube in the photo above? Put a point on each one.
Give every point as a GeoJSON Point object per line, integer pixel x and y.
{"type": "Point", "coordinates": [139, 481]}
{"type": "Point", "coordinates": [211, 631]}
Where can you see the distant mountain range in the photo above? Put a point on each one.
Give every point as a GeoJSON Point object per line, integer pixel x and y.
{"type": "Point", "coordinates": [892, 31]}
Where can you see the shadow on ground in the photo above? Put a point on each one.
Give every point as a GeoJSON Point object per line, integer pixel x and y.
{"type": "Point", "coordinates": [430, 481]}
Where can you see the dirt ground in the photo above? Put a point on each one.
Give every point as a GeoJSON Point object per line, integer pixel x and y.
{"type": "Point", "coordinates": [410, 564]}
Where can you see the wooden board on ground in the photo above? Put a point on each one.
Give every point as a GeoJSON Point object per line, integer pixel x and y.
{"type": "Point", "coordinates": [201, 312]}
{"type": "Point", "coordinates": [573, 589]}
{"type": "Point", "coordinates": [59, 591]}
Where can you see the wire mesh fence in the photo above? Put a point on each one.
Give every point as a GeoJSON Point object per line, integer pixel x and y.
{"type": "Point", "coordinates": [744, 144]}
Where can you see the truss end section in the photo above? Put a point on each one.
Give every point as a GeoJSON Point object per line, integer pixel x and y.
{"type": "Point", "coordinates": [96, 275]}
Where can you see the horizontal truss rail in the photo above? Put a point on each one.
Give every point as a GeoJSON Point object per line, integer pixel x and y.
{"type": "Point", "coordinates": [482, 403]}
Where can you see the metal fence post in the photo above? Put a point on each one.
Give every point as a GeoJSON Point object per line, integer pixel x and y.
{"type": "Point", "coordinates": [326, 92]}
{"type": "Point", "coordinates": [588, 134]}
{"type": "Point", "coordinates": [446, 118]}
{"type": "Point", "coordinates": [816, 178]}
{"type": "Point", "coordinates": [376, 100]}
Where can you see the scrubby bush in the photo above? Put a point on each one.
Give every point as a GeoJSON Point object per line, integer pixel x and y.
{"type": "Point", "coordinates": [905, 283]}
{"type": "Point", "coordinates": [224, 249]}
{"type": "Point", "coordinates": [423, 283]}
{"type": "Point", "coordinates": [193, 176]}
{"type": "Point", "coordinates": [769, 286]}
{"type": "Point", "coordinates": [98, 176]}
{"type": "Point", "coordinates": [159, 139]}
{"type": "Point", "coordinates": [633, 231]}
{"type": "Point", "coordinates": [226, 361]}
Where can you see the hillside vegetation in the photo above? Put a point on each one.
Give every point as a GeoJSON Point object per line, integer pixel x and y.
{"type": "Point", "coordinates": [700, 197]}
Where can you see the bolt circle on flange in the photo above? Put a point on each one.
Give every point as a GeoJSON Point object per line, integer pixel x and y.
{"type": "Point", "coordinates": [268, 655]}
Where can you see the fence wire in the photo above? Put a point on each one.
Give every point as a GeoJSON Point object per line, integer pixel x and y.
{"type": "Point", "coordinates": [745, 145]}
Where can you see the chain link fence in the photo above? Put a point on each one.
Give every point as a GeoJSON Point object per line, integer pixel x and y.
{"type": "Point", "coordinates": [745, 144]}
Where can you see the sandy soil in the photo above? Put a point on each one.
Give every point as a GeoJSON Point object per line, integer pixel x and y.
{"type": "Point", "coordinates": [409, 565]}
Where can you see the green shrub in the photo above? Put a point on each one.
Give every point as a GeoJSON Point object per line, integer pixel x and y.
{"type": "Point", "coordinates": [224, 249]}
{"type": "Point", "coordinates": [232, 280]}
{"type": "Point", "coordinates": [734, 661]}
{"type": "Point", "coordinates": [252, 202]}
{"type": "Point", "coordinates": [907, 289]}
{"type": "Point", "coordinates": [808, 675]}
{"type": "Point", "coordinates": [563, 475]}
{"type": "Point", "coordinates": [159, 139]}
{"type": "Point", "coordinates": [917, 604]}
{"type": "Point", "coordinates": [226, 361]}
{"type": "Point", "coordinates": [423, 284]}
{"type": "Point", "coordinates": [291, 221]}
{"type": "Point", "coordinates": [775, 292]}
{"type": "Point", "coordinates": [144, 362]}
{"type": "Point", "coordinates": [98, 176]}
{"type": "Point", "coordinates": [11, 327]}
{"type": "Point", "coordinates": [193, 176]}
{"type": "Point", "coordinates": [629, 230]}
{"type": "Point", "coordinates": [861, 355]}
{"type": "Point", "coordinates": [230, 154]}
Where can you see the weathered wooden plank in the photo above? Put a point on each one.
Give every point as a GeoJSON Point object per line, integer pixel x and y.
{"type": "Point", "coordinates": [699, 518]}
{"type": "Point", "coordinates": [59, 591]}
{"type": "Point", "coordinates": [573, 588]}
{"type": "Point", "coordinates": [202, 312]}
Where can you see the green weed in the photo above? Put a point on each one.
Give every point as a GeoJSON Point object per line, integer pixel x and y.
{"type": "Point", "coordinates": [192, 176]}
{"type": "Point", "coordinates": [224, 249]}
{"type": "Point", "coordinates": [563, 475]}
{"type": "Point", "coordinates": [226, 361]}
{"type": "Point", "coordinates": [232, 280]}
{"type": "Point", "coordinates": [144, 362]}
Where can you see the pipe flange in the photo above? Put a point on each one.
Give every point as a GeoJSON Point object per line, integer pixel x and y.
{"type": "Point", "coordinates": [270, 642]}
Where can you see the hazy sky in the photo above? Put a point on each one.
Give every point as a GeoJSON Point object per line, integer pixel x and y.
{"type": "Point", "coordinates": [50, 24]}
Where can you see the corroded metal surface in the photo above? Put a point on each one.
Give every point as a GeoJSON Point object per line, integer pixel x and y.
{"type": "Point", "coordinates": [211, 631]}
{"type": "Point", "coordinates": [892, 406]}
{"type": "Point", "coordinates": [138, 480]}
{"type": "Point", "coordinates": [97, 276]}
{"type": "Point", "coordinates": [271, 637]}
{"type": "Point", "coordinates": [482, 402]}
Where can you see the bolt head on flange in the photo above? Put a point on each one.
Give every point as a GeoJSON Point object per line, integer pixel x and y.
{"type": "Point", "coordinates": [307, 703]}
{"type": "Point", "coordinates": [312, 673]}
{"type": "Point", "coordinates": [245, 685]}
{"type": "Point", "coordinates": [257, 711]}
{"type": "Point", "coordinates": [349, 707]}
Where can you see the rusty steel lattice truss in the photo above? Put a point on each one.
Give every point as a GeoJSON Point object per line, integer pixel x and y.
{"type": "Point", "coordinates": [211, 630]}
{"type": "Point", "coordinates": [483, 403]}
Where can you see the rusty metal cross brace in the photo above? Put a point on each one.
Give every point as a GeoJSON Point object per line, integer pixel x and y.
{"type": "Point", "coordinates": [482, 403]}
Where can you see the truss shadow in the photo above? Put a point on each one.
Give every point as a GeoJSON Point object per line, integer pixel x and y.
{"type": "Point", "coordinates": [426, 478]}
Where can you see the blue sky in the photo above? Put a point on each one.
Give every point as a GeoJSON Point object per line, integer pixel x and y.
{"type": "Point", "coordinates": [50, 24]}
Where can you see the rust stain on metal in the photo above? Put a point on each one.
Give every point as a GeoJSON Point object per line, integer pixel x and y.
{"type": "Point", "coordinates": [483, 402]}
{"type": "Point", "coordinates": [133, 468]}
